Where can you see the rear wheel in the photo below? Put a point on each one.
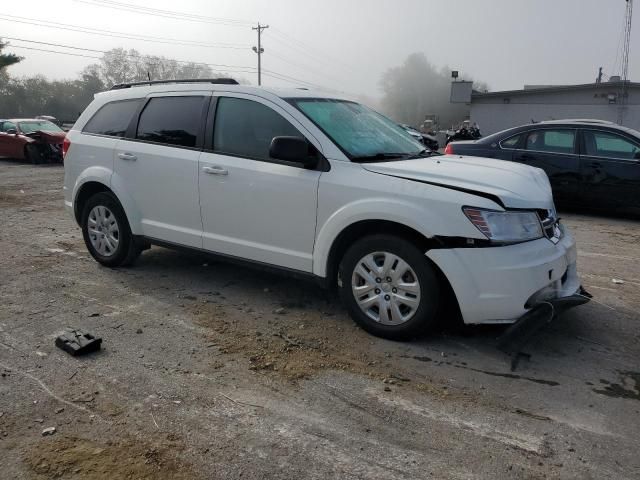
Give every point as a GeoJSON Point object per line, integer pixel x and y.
{"type": "Point", "coordinates": [389, 287]}
{"type": "Point", "coordinates": [106, 231]}
{"type": "Point", "coordinates": [32, 154]}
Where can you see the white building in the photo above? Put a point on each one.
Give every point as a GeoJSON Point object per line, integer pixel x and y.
{"type": "Point", "coordinates": [495, 111]}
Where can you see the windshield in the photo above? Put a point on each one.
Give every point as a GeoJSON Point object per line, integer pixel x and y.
{"type": "Point", "coordinates": [361, 133]}
{"type": "Point", "coordinates": [38, 125]}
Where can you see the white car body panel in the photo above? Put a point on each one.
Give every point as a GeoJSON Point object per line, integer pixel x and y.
{"type": "Point", "coordinates": [290, 217]}
{"type": "Point", "coordinates": [163, 184]}
{"type": "Point", "coordinates": [259, 211]}
{"type": "Point", "coordinates": [518, 186]}
{"type": "Point", "coordinates": [350, 193]}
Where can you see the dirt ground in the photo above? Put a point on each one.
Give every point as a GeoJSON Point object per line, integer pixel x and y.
{"type": "Point", "coordinates": [209, 370]}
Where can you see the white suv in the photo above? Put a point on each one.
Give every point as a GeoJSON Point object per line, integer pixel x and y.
{"type": "Point", "coordinates": [320, 186]}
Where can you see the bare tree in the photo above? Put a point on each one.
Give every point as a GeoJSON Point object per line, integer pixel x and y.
{"type": "Point", "coordinates": [121, 66]}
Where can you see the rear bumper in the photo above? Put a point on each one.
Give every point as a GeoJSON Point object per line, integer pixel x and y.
{"type": "Point", "coordinates": [501, 284]}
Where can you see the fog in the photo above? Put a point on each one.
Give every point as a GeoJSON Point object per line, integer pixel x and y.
{"type": "Point", "coordinates": [341, 45]}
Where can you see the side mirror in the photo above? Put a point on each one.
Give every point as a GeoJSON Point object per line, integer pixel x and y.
{"type": "Point", "coordinates": [292, 149]}
{"type": "Point", "coordinates": [637, 155]}
{"type": "Point", "coordinates": [12, 131]}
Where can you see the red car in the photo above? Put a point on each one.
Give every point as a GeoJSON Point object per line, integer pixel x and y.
{"type": "Point", "coordinates": [33, 140]}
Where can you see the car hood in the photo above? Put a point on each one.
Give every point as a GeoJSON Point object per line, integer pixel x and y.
{"type": "Point", "coordinates": [515, 185]}
{"type": "Point", "coordinates": [48, 137]}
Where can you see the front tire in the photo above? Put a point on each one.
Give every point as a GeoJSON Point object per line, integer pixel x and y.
{"type": "Point", "coordinates": [32, 154]}
{"type": "Point", "coordinates": [389, 287]}
{"type": "Point", "coordinates": [106, 231]}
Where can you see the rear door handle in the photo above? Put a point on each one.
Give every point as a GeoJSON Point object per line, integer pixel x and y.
{"type": "Point", "coordinates": [127, 156]}
{"type": "Point", "coordinates": [215, 170]}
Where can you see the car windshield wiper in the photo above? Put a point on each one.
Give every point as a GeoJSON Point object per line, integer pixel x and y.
{"type": "Point", "coordinates": [423, 154]}
{"type": "Point", "coordinates": [377, 157]}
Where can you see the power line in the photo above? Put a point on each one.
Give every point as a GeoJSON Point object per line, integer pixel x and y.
{"type": "Point", "coordinates": [140, 58]}
{"type": "Point", "coordinates": [108, 33]}
{"type": "Point", "coordinates": [268, 73]}
{"type": "Point", "coordinates": [305, 48]}
{"type": "Point", "coordinates": [128, 55]}
{"type": "Point", "coordinates": [53, 51]}
{"type": "Point", "coordinates": [303, 67]}
{"type": "Point", "coordinates": [175, 15]}
{"type": "Point", "coordinates": [172, 14]}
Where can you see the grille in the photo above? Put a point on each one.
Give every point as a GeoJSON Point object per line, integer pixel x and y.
{"type": "Point", "coordinates": [550, 225]}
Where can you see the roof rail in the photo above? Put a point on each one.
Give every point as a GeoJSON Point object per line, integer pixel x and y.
{"type": "Point", "coordinates": [580, 120]}
{"type": "Point", "coordinates": [223, 81]}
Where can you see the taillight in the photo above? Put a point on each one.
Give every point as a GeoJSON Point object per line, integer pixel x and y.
{"type": "Point", "coordinates": [65, 146]}
{"type": "Point", "coordinates": [448, 149]}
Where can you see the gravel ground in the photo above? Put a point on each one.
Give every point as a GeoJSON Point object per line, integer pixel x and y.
{"type": "Point", "coordinates": [210, 370]}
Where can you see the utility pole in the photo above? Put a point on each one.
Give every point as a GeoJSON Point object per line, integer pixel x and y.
{"type": "Point", "coordinates": [599, 79]}
{"type": "Point", "coordinates": [259, 50]}
{"type": "Point", "coordinates": [625, 61]}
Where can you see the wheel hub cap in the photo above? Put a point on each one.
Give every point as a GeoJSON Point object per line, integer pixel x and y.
{"type": "Point", "coordinates": [386, 288]}
{"type": "Point", "coordinates": [103, 229]}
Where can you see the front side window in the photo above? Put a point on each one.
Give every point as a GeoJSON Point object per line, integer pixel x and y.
{"type": "Point", "coordinates": [171, 120]}
{"type": "Point", "coordinates": [512, 142]}
{"type": "Point", "coordinates": [610, 145]}
{"type": "Point", "coordinates": [361, 133]}
{"type": "Point", "coordinates": [552, 141]}
{"type": "Point", "coordinates": [246, 128]}
{"type": "Point", "coordinates": [113, 118]}
{"type": "Point", "coordinates": [38, 126]}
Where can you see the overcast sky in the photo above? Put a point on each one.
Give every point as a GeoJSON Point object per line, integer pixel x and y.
{"type": "Point", "coordinates": [342, 44]}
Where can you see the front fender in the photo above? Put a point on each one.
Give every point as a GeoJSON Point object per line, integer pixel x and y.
{"type": "Point", "coordinates": [385, 209]}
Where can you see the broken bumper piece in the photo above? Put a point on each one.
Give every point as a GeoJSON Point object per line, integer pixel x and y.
{"type": "Point", "coordinates": [513, 340]}
{"type": "Point", "coordinates": [77, 342]}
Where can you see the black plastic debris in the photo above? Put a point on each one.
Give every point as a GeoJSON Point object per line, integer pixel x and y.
{"type": "Point", "coordinates": [519, 335]}
{"type": "Point", "coordinates": [77, 342]}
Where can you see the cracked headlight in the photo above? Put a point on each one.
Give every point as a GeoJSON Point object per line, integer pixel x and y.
{"type": "Point", "coordinates": [505, 227]}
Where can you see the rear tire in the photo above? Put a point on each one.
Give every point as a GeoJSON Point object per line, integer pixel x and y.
{"type": "Point", "coordinates": [389, 287]}
{"type": "Point", "coordinates": [32, 154]}
{"type": "Point", "coordinates": [106, 231]}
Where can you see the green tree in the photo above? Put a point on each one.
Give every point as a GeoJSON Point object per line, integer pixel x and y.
{"type": "Point", "coordinates": [7, 59]}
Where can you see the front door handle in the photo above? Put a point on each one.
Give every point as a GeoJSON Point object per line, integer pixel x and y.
{"type": "Point", "coordinates": [215, 170]}
{"type": "Point", "coordinates": [127, 156]}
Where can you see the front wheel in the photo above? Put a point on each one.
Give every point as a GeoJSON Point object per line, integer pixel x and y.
{"type": "Point", "coordinates": [33, 154]}
{"type": "Point", "coordinates": [106, 231]}
{"type": "Point", "coordinates": [389, 287]}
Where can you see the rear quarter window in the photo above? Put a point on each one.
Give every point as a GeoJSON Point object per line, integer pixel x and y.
{"type": "Point", "coordinates": [113, 119]}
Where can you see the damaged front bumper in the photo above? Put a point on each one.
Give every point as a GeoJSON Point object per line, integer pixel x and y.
{"type": "Point", "coordinates": [502, 284]}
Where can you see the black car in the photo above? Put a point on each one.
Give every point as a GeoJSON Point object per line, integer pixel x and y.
{"type": "Point", "coordinates": [589, 162]}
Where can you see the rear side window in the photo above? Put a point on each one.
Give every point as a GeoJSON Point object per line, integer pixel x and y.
{"type": "Point", "coordinates": [553, 141]}
{"type": "Point", "coordinates": [172, 120]}
{"type": "Point", "coordinates": [246, 128]}
{"type": "Point", "coordinates": [113, 118]}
